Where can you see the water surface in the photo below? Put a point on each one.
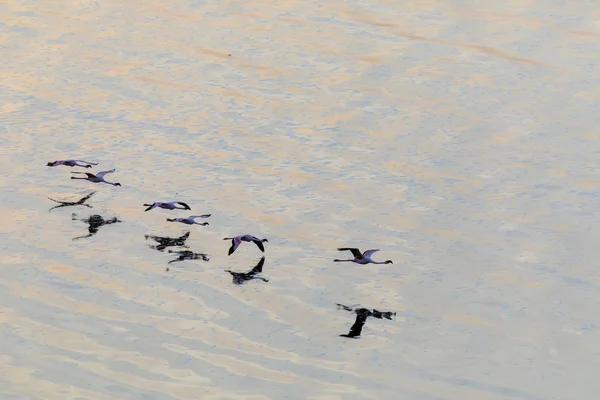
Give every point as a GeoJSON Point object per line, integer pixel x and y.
{"type": "Point", "coordinates": [458, 137]}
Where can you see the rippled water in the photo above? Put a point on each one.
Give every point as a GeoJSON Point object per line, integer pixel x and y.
{"type": "Point", "coordinates": [458, 137]}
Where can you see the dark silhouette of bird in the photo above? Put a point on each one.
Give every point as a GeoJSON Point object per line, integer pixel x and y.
{"type": "Point", "coordinates": [95, 221]}
{"type": "Point", "coordinates": [241, 277]}
{"type": "Point", "coordinates": [80, 202]}
{"type": "Point", "coordinates": [361, 318]}
{"type": "Point", "coordinates": [356, 328]}
{"type": "Point", "coordinates": [372, 312]}
{"type": "Point", "coordinates": [71, 163]}
{"type": "Point", "coordinates": [382, 314]}
{"type": "Point", "coordinates": [347, 308]}
{"type": "Point", "coordinates": [164, 242]}
{"type": "Point", "coordinates": [188, 255]}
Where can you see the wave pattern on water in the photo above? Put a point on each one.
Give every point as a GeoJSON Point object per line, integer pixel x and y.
{"type": "Point", "coordinates": [460, 139]}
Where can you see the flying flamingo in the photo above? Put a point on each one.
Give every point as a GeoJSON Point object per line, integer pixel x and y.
{"type": "Point", "coordinates": [172, 205]}
{"type": "Point", "coordinates": [362, 258]}
{"type": "Point", "coordinates": [99, 177]}
{"type": "Point", "coordinates": [235, 242]}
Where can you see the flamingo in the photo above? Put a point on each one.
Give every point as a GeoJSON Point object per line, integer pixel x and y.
{"type": "Point", "coordinates": [362, 258]}
{"type": "Point", "coordinates": [235, 242]}
{"type": "Point", "coordinates": [172, 205]}
{"type": "Point", "coordinates": [99, 177]}
{"type": "Point", "coordinates": [71, 163]}
{"type": "Point", "coordinates": [190, 220]}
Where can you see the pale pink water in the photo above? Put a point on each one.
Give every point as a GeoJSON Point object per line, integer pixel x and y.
{"type": "Point", "coordinates": [460, 138]}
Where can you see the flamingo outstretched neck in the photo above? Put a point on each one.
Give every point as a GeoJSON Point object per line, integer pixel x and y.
{"type": "Point", "coordinates": [362, 258]}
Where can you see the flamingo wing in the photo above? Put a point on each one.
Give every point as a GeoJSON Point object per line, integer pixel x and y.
{"type": "Point", "coordinates": [369, 253]}
{"type": "Point", "coordinates": [102, 173]}
{"type": "Point", "coordinates": [235, 242]}
{"type": "Point", "coordinates": [89, 175]}
{"type": "Point", "coordinates": [199, 216]}
{"type": "Point", "coordinates": [355, 252]}
{"type": "Point", "coordinates": [260, 245]}
{"type": "Point", "coordinates": [183, 204]}
{"type": "Point", "coordinates": [87, 162]}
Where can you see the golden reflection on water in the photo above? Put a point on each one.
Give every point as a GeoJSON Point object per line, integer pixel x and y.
{"type": "Point", "coordinates": [457, 138]}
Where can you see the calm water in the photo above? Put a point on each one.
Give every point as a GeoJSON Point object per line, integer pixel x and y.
{"type": "Point", "coordinates": [458, 137]}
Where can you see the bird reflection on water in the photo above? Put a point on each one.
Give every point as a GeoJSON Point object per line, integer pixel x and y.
{"type": "Point", "coordinates": [241, 277]}
{"type": "Point", "coordinates": [356, 328]}
{"type": "Point", "coordinates": [188, 255]}
{"type": "Point", "coordinates": [371, 313]}
{"type": "Point", "coordinates": [165, 241]}
{"type": "Point", "coordinates": [95, 221]}
{"type": "Point", "coordinates": [80, 202]}
{"type": "Point", "coordinates": [71, 163]}
{"type": "Point", "coordinates": [361, 318]}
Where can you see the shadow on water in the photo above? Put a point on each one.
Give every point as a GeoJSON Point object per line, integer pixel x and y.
{"type": "Point", "coordinates": [80, 202]}
{"type": "Point", "coordinates": [188, 255]}
{"type": "Point", "coordinates": [165, 241]}
{"type": "Point", "coordinates": [241, 277]}
{"type": "Point", "coordinates": [371, 312]}
{"type": "Point", "coordinates": [361, 318]}
{"type": "Point", "coordinates": [71, 163]}
{"type": "Point", "coordinates": [95, 221]}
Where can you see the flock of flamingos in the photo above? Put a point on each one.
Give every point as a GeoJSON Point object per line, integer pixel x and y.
{"type": "Point", "coordinates": [96, 221]}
